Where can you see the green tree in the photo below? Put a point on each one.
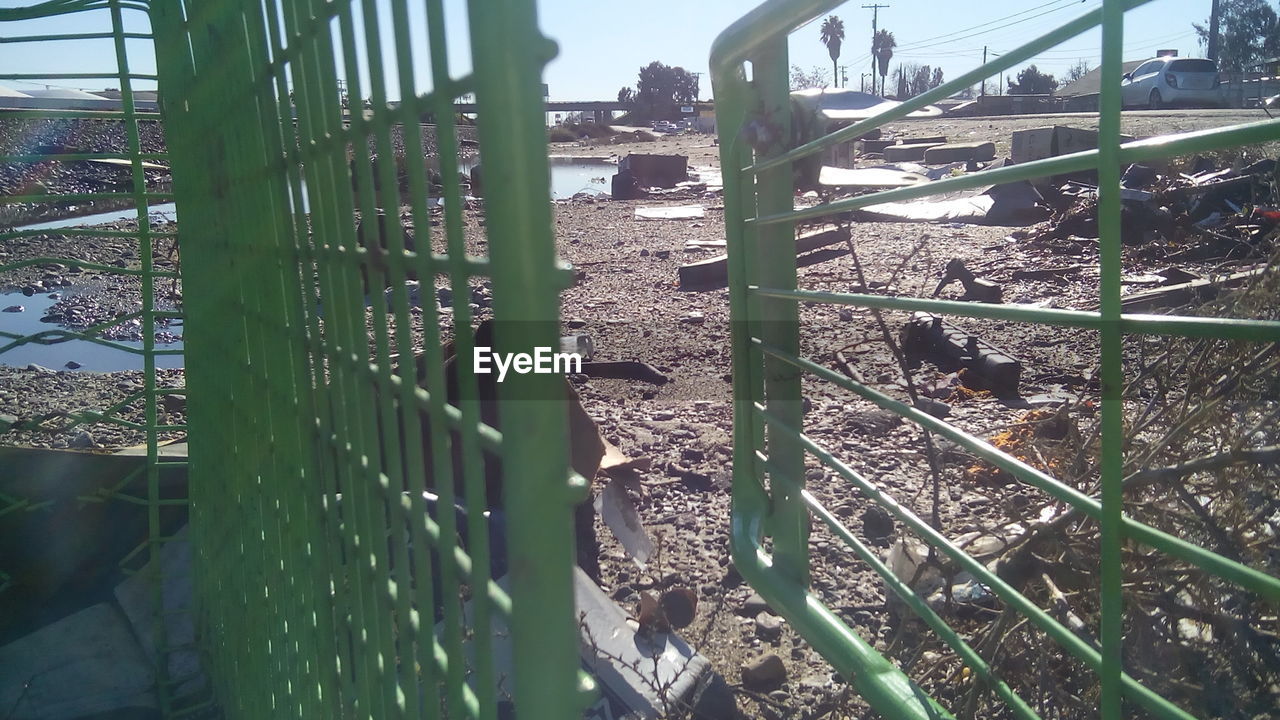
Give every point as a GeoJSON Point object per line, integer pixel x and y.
{"type": "Point", "coordinates": [626, 95]}
{"type": "Point", "coordinates": [1032, 82]}
{"type": "Point", "coordinates": [815, 78]}
{"type": "Point", "coordinates": [1248, 31]}
{"type": "Point", "coordinates": [662, 89]}
{"type": "Point", "coordinates": [832, 35]}
{"type": "Point", "coordinates": [882, 45]}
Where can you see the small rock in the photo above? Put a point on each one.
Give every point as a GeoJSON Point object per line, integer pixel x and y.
{"type": "Point", "coordinates": [175, 403]}
{"type": "Point", "coordinates": [694, 318]}
{"type": "Point", "coordinates": [846, 314]}
{"type": "Point", "coordinates": [753, 606]}
{"type": "Point", "coordinates": [692, 454]}
{"type": "Point", "coordinates": [662, 415]}
{"type": "Point", "coordinates": [663, 254]}
{"type": "Point", "coordinates": [768, 626]}
{"type": "Point", "coordinates": [73, 365]}
{"type": "Point", "coordinates": [644, 253]}
{"type": "Point", "coordinates": [764, 674]}
{"type": "Point", "coordinates": [14, 308]}
{"type": "Point", "coordinates": [39, 369]}
{"type": "Point", "coordinates": [82, 441]}
{"type": "Point", "coordinates": [876, 522]}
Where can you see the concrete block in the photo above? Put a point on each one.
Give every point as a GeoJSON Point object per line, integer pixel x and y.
{"type": "Point", "coordinates": [656, 170]}
{"type": "Point", "coordinates": [874, 146]}
{"type": "Point", "coordinates": [929, 139]}
{"type": "Point", "coordinates": [907, 153]}
{"type": "Point", "coordinates": [959, 152]}
{"type": "Point", "coordinates": [1045, 142]}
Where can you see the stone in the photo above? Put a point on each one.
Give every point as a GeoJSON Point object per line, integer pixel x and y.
{"type": "Point", "coordinates": [694, 318]}
{"type": "Point", "coordinates": [73, 365]}
{"type": "Point", "coordinates": [14, 309]}
{"type": "Point", "coordinates": [82, 440]}
{"type": "Point", "coordinates": [768, 626]}
{"type": "Point", "coordinates": [175, 403]}
{"type": "Point", "coordinates": [876, 522]}
{"type": "Point", "coordinates": [753, 606]}
{"type": "Point", "coordinates": [764, 674]}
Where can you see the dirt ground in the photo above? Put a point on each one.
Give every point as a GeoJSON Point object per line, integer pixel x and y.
{"type": "Point", "coordinates": [627, 298]}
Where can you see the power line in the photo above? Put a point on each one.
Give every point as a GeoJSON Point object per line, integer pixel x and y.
{"type": "Point", "coordinates": [929, 40]}
{"type": "Point", "coordinates": [985, 32]}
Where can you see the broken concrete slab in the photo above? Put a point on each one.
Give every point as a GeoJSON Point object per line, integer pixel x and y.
{"type": "Point", "coordinates": [678, 212]}
{"type": "Point", "coordinates": [907, 153]}
{"type": "Point", "coordinates": [959, 152]}
{"type": "Point", "coordinates": [713, 273]}
{"type": "Point", "coordinates": [87, 664]}
{"type": "Point", "coordinates": [1016, 203]}
{"type": "Point", "coordinates": [868, 178]}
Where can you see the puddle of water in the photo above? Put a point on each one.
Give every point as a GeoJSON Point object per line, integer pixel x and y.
{"type": "Point", "coordinates": [91, 356]}
{"type": "Point", "coordinates": [167, 211]}
{"type": "Point", "coordinates": [569, 177]}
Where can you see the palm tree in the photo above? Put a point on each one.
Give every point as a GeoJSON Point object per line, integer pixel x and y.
{"type": "Point", "coordinates": [882, 46]}
{"type": "Point", "coordinates": [832, 36]}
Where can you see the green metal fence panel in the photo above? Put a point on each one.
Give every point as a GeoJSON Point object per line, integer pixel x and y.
{"type": "Point", "coordinates": [772, 509]}
{"type": "Point", "coordinates": [332, 437]}
{"type": "Point", "coordinates": [144, 497]}
{"type": "Point", "coordinates": [349, 557]}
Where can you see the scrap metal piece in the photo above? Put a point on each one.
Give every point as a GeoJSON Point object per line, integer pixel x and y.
{"type": "Point", "coordinates": [926, 333]}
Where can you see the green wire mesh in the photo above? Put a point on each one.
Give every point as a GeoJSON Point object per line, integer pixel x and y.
{"type": "Point", "coordinates": [334, 576]}
{"type": "Point", "coordinates": [771, 527]}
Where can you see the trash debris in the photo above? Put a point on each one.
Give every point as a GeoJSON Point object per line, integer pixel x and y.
{"type": "Point", "coordinates": [625, 370]}
{"type": "Point", "coordinates": [620, 515]}
{"type": "Point", "coordinates": [1046, 142]}
{"type": "Point", "coordinates": [1185, 292]}
{"type": "Point", "coordinates": [1014, 203]}
{"type": "Point", "coordinates": [975, 288]}
{"type": "Point", "coordinates": [927, 334]}
{"type": "Point", "coordinates": [881, 177]}
{"type": "Point", "coordinates": [713, 273]}
{"type": "Point", "coordinates": [914, 151]}
{"type": "Point", "coordinates": [678, 212]}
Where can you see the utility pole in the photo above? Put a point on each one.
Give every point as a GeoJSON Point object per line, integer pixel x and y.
{"type": "Point", "coordinates": [983, 92]}
{"type": "Point", "coordinates": [697, 79]}
{"type": "Point", "coordinates": [1213, 32]}
{"type": "Point", "coordinates": [875, 13]}
{"type": "Point", "coordinates": [844, 76]}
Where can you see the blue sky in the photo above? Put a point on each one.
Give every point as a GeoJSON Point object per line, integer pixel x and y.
{"type": "Point", "coordinates": [603, 43]}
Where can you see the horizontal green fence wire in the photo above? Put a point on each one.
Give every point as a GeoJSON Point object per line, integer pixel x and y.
{"type": "Point", "coordinates": [770, 527]}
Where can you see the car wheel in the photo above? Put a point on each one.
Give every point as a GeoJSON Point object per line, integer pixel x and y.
{"type": "Point", "coordinates": [1154, 102]}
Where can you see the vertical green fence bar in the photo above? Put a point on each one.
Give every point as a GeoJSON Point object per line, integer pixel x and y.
{"type": "Point", "coordinates": [1112, 349]}
{"type": "Point", "coordinates": [759, 220]}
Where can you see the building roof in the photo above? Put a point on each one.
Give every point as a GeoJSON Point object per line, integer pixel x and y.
{"type": "Point", "coordinates": [64, 94]}
{"type": "Point", "coordinates": [1091, 82]}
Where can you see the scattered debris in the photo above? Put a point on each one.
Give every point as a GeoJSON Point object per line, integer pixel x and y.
{"type": "Point", "coordinates": [1046, 142]}
{"type": "Point", "coordinates": [975, 288]}
{"type": "Point", "coordinates": [678, 212]}
{"type": "Point", "coordinates": [1183, 293]}
{"type": "Point", "coordinates": [908, 153]}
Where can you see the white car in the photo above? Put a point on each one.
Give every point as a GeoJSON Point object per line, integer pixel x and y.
{"type": "Point", "coordinates": [1167, 81]}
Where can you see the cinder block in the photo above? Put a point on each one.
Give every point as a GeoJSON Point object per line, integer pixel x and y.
{"type": "Point", "coordinates": [874, 146]}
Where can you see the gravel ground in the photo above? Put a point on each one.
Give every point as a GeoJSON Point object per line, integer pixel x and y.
{"type": "Point", "coordinates": [628, 300]}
